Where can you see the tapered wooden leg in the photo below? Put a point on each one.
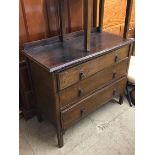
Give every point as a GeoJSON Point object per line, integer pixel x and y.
{"type": "Point", "coordinates": [121, 99]}
{"type": "Point", "coordinates": [60, 138]}
{"type": "Point", "coordinates": [39, 117]}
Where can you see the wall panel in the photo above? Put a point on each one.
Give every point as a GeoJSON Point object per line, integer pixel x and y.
{"type": "Point", "coordinates": [75, 14]}
{"type": "Point", "coordinates": [22, 29]}
{"type": "Point", "coordinates": [36, 19]}
{"type": "Point", "coordinates": [53, 17]}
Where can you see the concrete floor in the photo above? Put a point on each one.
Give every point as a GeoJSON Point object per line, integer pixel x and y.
{"type": "Point", "coordinates": [109, 130]}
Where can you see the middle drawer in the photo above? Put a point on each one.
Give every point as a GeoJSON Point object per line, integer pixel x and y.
{"type": "Point", "coordinates": [88, 85]}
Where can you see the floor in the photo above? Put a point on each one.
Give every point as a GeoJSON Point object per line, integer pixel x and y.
{"type": "Point", "coordinates": [109, 130]}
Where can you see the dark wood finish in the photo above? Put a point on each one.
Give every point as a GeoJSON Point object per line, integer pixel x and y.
{"type": "Point", "coordinates": [75, 15]}
{"type": "Point", "coordinates": [58, 69]}
{"type": "Point", "coordinates": [52, 7]}
{"type": "Point", "coordinates": [127, 18]}
{"type": "Point", "coordinates": [121, 99]}
{"type": "Point", "coordinates": [27, 102]}
{"type": "Point", "coordinates": [87, 23]}
{"type": "Point", "coordinates": [42, 91]}
{"type": "Point", "coordinates": [84, 107]}
{"type": "Point", "coordinates": [39, 117]}
{"type": "Point", "coordinates": [56, 56]}
{"type": "Point", "coordinates": [40, 19]}
{"type": "Point", "coordinates": [83, 88]}
{"type": "Point", "coordinates": [34, 14]}
{"type": "Point", "coordinates": [45, 88]}
{"type": "Point", "coordinates": [23, 36]}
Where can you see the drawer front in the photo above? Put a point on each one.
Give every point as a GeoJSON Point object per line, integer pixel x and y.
{"type": "Point", "coordinates": [82, 71]}
{"type": "Point", "coordinates": [90, 103]}
{"type": "Point", "coordinates": [86, 86]}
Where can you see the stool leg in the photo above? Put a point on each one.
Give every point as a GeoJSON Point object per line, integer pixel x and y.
{"type": "Point", "coordinates": [60, 138]}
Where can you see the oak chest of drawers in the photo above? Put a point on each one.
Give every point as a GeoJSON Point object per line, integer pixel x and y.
{"type": "Point", "coordinates": [69, 83]}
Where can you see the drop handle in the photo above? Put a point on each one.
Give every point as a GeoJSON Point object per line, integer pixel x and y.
{"type": "Point", "coordinates": [116, 58]}
{"type": "Point", "coordinates": [80, 92]}
{"type": "Point", "coordinates": [114, 75]}
{"type": "Point", "coordinates": [81, 75]}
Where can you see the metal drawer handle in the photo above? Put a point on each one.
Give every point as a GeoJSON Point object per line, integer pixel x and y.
{"type": "Point", "coordinates": [116, 58]}
{"type": "Point", "coordinates": [114, 75]}
{"type": "Point", "coordinates": [81, 75]}
{"type": "Point", "coordinates": [80, 93]}
{"type": "Point", "coordinates": [82, 111]}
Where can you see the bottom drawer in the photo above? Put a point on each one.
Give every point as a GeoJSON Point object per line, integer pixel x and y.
{"type": "Point", "coordinates": [85, 106]}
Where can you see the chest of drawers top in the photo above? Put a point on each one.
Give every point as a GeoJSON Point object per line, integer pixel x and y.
{"type": "Point", "coordinates": [53, 55]}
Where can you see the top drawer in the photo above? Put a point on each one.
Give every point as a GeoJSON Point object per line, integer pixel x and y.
{"type": "Point", "coordinates": [82, 71]}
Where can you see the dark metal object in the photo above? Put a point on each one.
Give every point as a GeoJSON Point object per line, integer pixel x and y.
{"type": "Point", "coordinates": [81, 75]}
{"type": "Point", "coordinates": [129, 88]}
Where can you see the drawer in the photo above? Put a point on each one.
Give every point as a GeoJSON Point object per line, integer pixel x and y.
{"type": "Point", "coordinates": [85, 106]}
{"type": "Point", "coordinates": [86, 86]}
{"type": "Point", "coordinates": [84, 70]}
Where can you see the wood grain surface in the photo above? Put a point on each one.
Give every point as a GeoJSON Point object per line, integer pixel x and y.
{"type": "Point", "coordinates": [39, 19]}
